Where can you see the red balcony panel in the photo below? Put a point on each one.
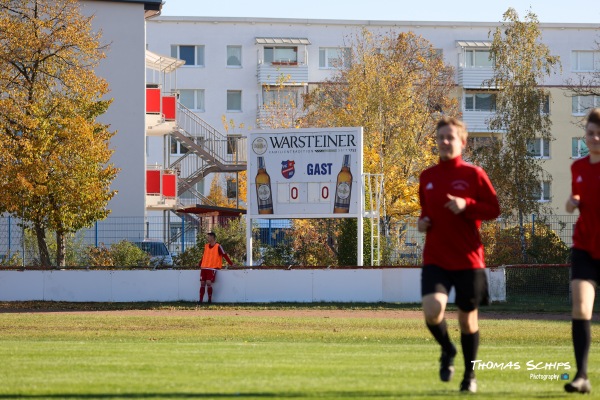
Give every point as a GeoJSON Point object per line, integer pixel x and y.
{"type": "Point", "coordinates": [168, 104]}
{"type": "Point", "coordinates": [153, 182]}
{"type": "Point", "coordinates": [169, 187]}
{"type": "Point", "coordinates": [153, 100]}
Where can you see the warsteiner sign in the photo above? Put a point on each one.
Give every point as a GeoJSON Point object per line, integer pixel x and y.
{"type": "Point", "coordinates": [305, 173]}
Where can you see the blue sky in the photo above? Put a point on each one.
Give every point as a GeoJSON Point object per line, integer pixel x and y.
{"type": "Point", "coordinates": [571, 11]}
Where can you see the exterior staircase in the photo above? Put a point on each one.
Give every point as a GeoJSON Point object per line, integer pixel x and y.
{"type": "Point", "coordinates": [209, 151]}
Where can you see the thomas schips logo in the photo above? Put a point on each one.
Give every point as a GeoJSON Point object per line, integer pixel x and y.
{"type": "Point", "coordinates": [287, 168]}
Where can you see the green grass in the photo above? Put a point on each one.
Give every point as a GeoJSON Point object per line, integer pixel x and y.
{"type": "Point", "coordinates": [186, 356]}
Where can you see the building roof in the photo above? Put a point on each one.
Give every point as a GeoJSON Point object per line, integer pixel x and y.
{"type": "Point", "coordinates": [148, 4]}
{"type": "Point", "coordinates": [202, 209]}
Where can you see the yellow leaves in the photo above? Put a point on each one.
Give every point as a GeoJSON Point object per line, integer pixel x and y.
{"type": "Point", "coordinates": [395, 91]}
{"type": "Point", "coordinates": [55, 155]}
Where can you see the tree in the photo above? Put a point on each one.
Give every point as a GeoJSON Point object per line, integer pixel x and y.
{"type": "Point", "coordinates": [54, 156]}
{"type": "Point", "coordinates": [521, 62]}
{"type": "Point", "coordinates": [396, 87]}
{"type": "Point", "coordinates": [280, 108]}
{"type": "Point", "coordinates": [216, 194]}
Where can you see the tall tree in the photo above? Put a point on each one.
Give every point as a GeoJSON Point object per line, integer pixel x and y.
{"type": "Point", "coordinates": [521, 62]}
{"type": "Point", "coordinates": [54, 155]}
{"type": "Point", "coordinates": [395, 86]}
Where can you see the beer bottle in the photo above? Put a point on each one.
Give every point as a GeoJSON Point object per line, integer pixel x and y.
{"type": "Point", "coordinates": [343, 188]}
{"type": "Point", "coordinates": [263, 189]}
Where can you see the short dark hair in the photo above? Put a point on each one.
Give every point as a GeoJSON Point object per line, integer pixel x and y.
{"type": "Point", "coordinates": [461, 126]}
{"type": "Point", "coordinates": [593, 116]}
{"type": "Point", "coordinates": [214, 235]}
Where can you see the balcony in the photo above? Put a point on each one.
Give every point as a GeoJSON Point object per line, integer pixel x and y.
{"type": "Point", "coordinates": [160, 112]}
{"type": "Point", "coordinates": [474, 77]}
{"type": "Point", "coordinates": [281, 72]}
{"type": "Point", "coordinates": [477, 121]}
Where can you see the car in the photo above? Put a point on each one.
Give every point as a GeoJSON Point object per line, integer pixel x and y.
{"type": "Point", "coordinates": [158, 251]}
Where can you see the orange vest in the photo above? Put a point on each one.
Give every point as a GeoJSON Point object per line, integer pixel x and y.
{"type": "Point", "coordinates": [211, 257]}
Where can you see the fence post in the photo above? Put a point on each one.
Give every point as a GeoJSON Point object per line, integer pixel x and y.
{"type": "Point", "coordinates": [96, 234]}
{"type": "Point", "coordinates": [182, 234]}
{"type": "Point", "coordinates": [532, 225]}
{"type": "Point", "coordinates": [9, 236]}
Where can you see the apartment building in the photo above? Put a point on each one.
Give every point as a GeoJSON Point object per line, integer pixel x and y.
{"type": "Point", "coordinates": [230, 63]}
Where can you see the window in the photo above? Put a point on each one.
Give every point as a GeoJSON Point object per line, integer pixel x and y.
{"type": "Point", "coordinates": [192, 55]}
{"type": "Point", "coordinates": [480, 102]}
{"type": "Point", "coordinates": [545, 106]}
{"type": "Point", "coordinates": [477, 58]}
{"type": "Point", "coordinates": [231, 188]}
{"type": "Point", "coordinates": [281, 55]}
{"type": "Point", "coordinates": [232, 143]}
{"type": "Point", "coordinates": [578, 148]}
{"type": "Point", "coordinates": [234, 100]}
{"type": "Point", "coordinates": [177, 148]}
{"type": "Point", "coordinates": [585, 61]}
{"type": "Point", "coordinates": [543, 193]}
{"type": "Point", "coordinates": [192, 99]}
{"type": "Point", "coordinates": [539, 148]}
{"type": "Point", "coordinates": [276, 96]}
{"type": "Point", "coordinates": [334, 57]}
{"type": "Point", "coordinates": [234, 56]}
{"type": "Point", "coordinates": [581, 104]}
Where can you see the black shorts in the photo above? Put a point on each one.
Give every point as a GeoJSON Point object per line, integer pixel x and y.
{"type": "Point", "coordinates": [584, 267]}
{"type": "Point", "coordinates": [471, 285]}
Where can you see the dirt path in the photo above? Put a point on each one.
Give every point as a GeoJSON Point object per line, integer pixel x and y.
{"type": "Point", "coordinates": [203, 311]}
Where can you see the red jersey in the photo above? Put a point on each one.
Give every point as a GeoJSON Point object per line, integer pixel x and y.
{"type": "Point", "coordinates": [452, 241]}
{"type": "Point", "coordinates": [585, 182]}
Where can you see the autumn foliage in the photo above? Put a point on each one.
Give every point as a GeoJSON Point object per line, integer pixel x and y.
{"type": "Point", "coordinates": [395, 86]}
{"type": "Point", "coordinates": [54, 155]}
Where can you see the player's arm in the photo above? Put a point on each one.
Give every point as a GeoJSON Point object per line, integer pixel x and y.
{"type": "Point", "coordinates": [485, 206]}
{"type": "Point", "coordinates": [225, 256]}
{"type": "Point", "coordinates": [424, 222]}
{"type": "Point", "coordinates": [573, 201]}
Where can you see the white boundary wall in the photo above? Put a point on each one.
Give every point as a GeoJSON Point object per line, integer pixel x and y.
{"type": "Point", "coordinates": [393, 285]}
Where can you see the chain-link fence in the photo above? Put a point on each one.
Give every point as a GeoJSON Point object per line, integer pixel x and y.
{"type": "Point", "coordinates": [309, 242]}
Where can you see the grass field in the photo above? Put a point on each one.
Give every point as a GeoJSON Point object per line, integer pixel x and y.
{"type": "Point", "coordinates": [177, 352]}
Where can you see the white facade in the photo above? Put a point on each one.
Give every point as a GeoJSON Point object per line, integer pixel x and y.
{"type": "Point", "coordinates": [123, 28]}
{"type": "Point", "coordinates": [459, 42]}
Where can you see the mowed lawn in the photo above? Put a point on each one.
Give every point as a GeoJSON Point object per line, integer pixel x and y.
{"type": "Point", "coordinates": [185, 355]}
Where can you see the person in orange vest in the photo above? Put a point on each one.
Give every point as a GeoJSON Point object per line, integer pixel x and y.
{"type": "Point", "coordinates": [211, 261]}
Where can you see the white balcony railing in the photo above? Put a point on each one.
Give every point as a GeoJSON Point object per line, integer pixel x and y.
{"type": "Point", "coordinates": [282, 73]}
{"type": "Point", "coordinates": [474, 78]}
{"type": "Point", "coordinates": [477, 121]}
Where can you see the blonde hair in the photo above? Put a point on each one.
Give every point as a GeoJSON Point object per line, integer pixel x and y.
{"type": "Point", "coordinates": [461, 126]}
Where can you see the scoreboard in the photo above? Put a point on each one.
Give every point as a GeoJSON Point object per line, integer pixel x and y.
{"type": "Point", "coordinates": [305, 173]}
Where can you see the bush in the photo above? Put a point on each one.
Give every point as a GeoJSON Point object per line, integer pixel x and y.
{"type": "Point", "coordinates": [121, 254]}
{"type": "Point", "coordinates": [503, 246]}
{"type": "Point", "coordinates": [232, 236]}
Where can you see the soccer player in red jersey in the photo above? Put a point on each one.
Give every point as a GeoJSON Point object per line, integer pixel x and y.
{"type": "Point", "coordinates": [212, 260]}
{"type": "Point", "coordinates": [455, 196]}
{"type": "Point", "coordinates": [585, 253]}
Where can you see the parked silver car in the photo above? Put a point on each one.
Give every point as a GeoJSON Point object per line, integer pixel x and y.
{"type": "Point", "coordinates": [159, 253]}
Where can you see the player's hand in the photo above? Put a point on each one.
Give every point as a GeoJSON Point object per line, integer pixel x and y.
{"type": "Point", "coordinates": [423, 224]}
{"type": "Point", "coordinates": [572, 203]}
{"type": "Point", "coordinates": [455, 204]}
